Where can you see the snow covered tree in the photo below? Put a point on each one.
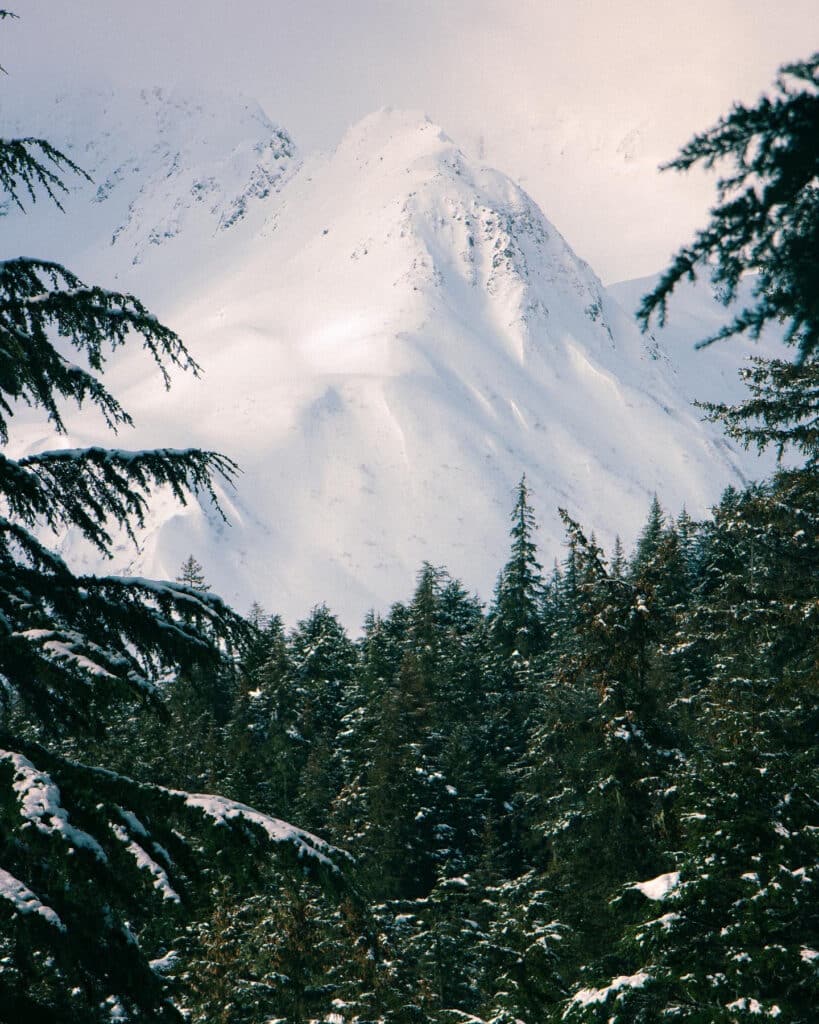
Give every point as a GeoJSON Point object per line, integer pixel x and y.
{"type": "Point", "coordinates": [601, 750]}
{"type": "Point", "coordinates": [264, 750]}
{"type": "Point", "coordinates": [284, 953]}
{"type": "Point", "coordinates": [650, 536]}
{"type": "Point", "coordinates": [323, 659]}
{"type": "Point", "coordinates": [410, 745]}
{"type": "Point", "coordinates": [515, 614]}
{"type": "Point", "coordinates": [520, 952]}
{"type": "Point", "coordinates": [441, 944]}
{"type": "Point", "coordinates": [89, 859]}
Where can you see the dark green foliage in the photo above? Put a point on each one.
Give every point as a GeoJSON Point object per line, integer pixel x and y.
{"type": "Point", "coordinates": [651, 537]}
{"type": "Point", "coordinates": [730, 941]}
{"type": "Point", "coordinates": [283, 954]}
{"type": "Point", "coordinates": [782, 412]}
{"type": "Point", "coordinates": [522, 954]}
{"type": "Point", "coordinates": [767, 215]}
{"type": "Point", "coordinates": [323, 660]}
{"type": "Point", "coordinates": [94, 865]}
{"type": "Point", "coordinates": [40, 299]}
{"type": "Point", "coordinates": [263, 747]}
{"type": "Point", "coordinates": [515, 617]}
{"type": "Point", "coordinates": [603, 751]}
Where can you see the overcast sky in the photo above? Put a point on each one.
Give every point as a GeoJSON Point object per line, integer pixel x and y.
{"type": "Point", "coordinates": [579, 100]}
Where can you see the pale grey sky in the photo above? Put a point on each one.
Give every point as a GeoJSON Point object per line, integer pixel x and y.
{"type": "Point", "coordinates": [579, 100]}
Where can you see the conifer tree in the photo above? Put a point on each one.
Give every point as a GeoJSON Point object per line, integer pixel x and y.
{"type": "Point", "coordinates": [766, 219]}
{"type": "Point", "coordinates": [521, 952]}
{"type": "Point", "coordinates": [650, 537]}
{"type": "Point", "coordinates": [515, 614]}
{"type": "Point", "coordinates": [618, 559]}
{"type": "Point", "coordinates": [401, 810]}
{"type": "Point", "coordinates": [323, 659]}
{"type": "Point", "coordinates": [90, 860]}
{"type": "Point", "coordinates": [191, 574]}
{"type": "Point", "coordinates": [600, 752]}
{"type": "Point", "coordinates": [264, 749]}
{"type": "Point", "coordinates": [731, 941]}
{"type": "Point", "coordinates": [736, 933]}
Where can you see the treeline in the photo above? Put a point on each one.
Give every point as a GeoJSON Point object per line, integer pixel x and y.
{"type": "Point", "coordinates": [593, 800]}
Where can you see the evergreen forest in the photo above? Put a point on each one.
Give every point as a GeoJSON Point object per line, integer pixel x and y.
{"type": "Point", "coordinates": [591, 799]}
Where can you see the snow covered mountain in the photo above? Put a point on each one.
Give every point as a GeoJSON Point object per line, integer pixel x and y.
{"type": "Point", "coordinates": [391, 335]}
{"type": "Point", "coordinates": [694, 313]}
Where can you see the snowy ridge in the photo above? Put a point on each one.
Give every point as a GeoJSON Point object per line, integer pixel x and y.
{"type": "Point", "coordinates": [162, 163]}
{"type": "Point", "coordinates": [391, 335]}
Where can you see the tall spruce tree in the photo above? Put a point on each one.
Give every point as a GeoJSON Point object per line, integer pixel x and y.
{"type": "Point", "coordinates": [515, 614]}
{"type": "Point", "coordinates": [738, 937]}
{"type": "Point", "coordinates": [601, 750]}
{"type": "Point", "coordinates": [323, 659]}
{"type": "Point", "coordinates": [90, 860]}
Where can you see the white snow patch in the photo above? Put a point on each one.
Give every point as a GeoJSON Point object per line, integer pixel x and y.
{"type": "Point", "coordinates": [749, 1005]}
{"type": "Point", "coordinates": [587, 996]}
{"type": "Point", "coordinates": [658, 888]}
{"type": "Point", "coordinates": [163, 964]}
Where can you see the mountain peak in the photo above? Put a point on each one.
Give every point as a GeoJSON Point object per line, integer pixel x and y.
{"type": "Point", "coordinates": [391, 334]}
{"type": "Point", "coordinates": [391, 128]}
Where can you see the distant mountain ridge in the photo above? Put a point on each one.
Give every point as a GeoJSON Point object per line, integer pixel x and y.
{"type": "Point", "coordinates": [391, 335]}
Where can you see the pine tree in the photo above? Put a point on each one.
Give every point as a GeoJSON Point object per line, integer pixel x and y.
{"type": "Point", "coordinates": [650, 537]}
{"type": "Point", "coordinates": [191, 574]}
{"type": "Point", "coordinates": [442, 947]}
{"type": "Point", "coordinates": [618, 559]}
{"type": "Point", "coordinates": [766, 219]}
{"type": "Point", "coordinates": [264, 749]}
{"type": "Point", "coordinates": [515, 614]}
{"type": "Point", "coordinates": [324, 660]}
{"type": "Point", "coordinates": [738, 936]}
{"type": "Point", "coordinates": [92, 861]}
{"type": "Point", "coordinates": [782, 411]}
{"type": "Point", "coordinates": [409, 747]}
{"type": "Point", "coordinates": [601, 750]}
{"type": "Point", "coordinates": [521, 952]}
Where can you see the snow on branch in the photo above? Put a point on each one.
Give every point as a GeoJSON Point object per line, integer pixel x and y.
{"type": "Point", "coordinates": [215, 810]}
{"type": "Point", "coordinates": [224, 812]}
{"type": "Point", "coordinates": [25, 901]}
{"type": "Point", "coordinates": [588, 996]}
{"type": "Point", "coordinates": [146, 863]}
{"type": "Point", "coordinates": [40, 806]}
{"type": "Point", "coordinates": [658, 888]}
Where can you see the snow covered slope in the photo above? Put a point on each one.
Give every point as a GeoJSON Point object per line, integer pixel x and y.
{"type": "Point", "coordinates": [707, 374]}
{"type": "Point", "coordinates": [391, 335]}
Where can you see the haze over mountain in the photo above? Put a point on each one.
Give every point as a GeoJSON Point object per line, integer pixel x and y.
{"type": "Point", "coordinates": [579, 102]}
{"type": "Point", "coordinates": [391, 335]}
